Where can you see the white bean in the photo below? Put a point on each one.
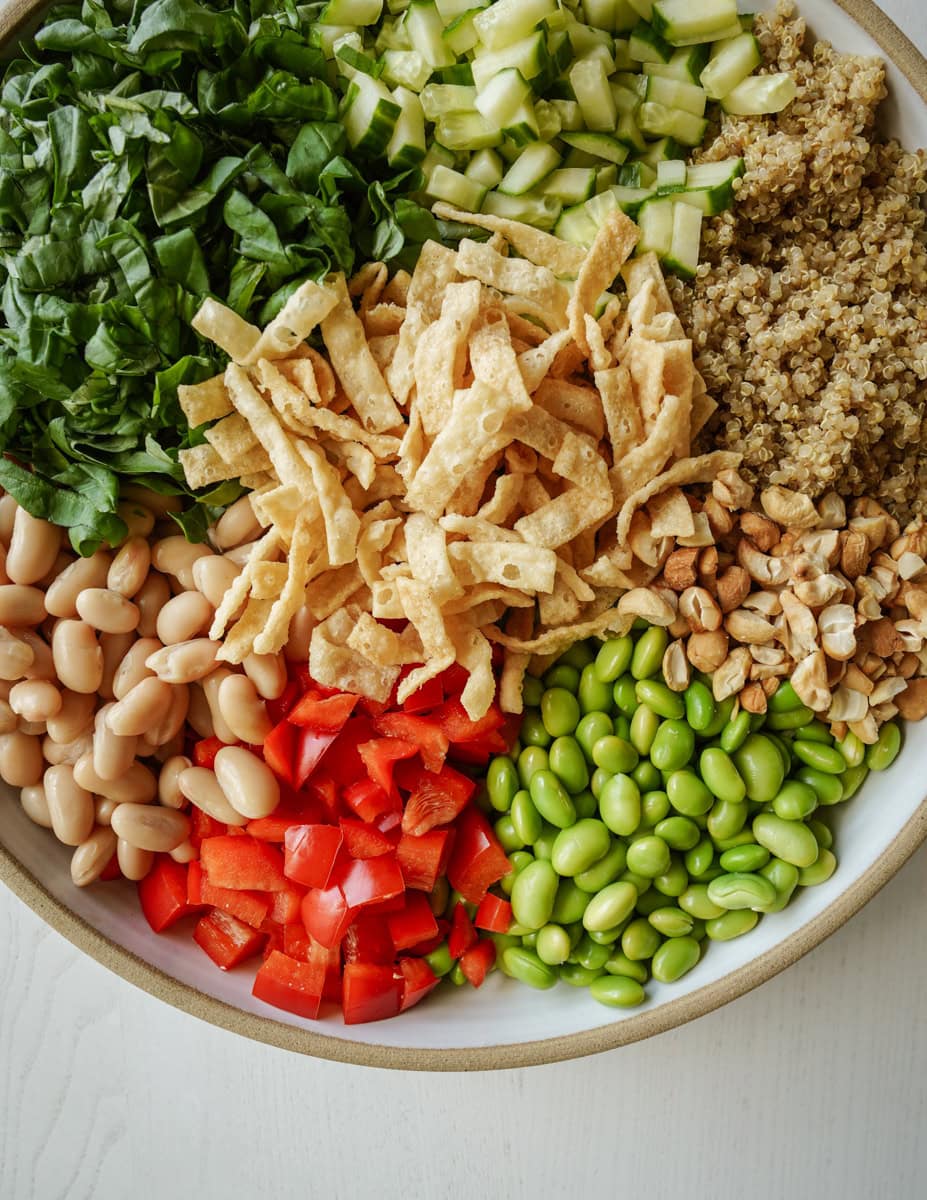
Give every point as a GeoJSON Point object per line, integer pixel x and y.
{"type": "Point", "coordinates": [175, 556]}
{"type": "Point", "coordinates": [8, 719]}
{"type": "Point", "coordinates": [132, 668]}
{"type": "Point", "coordinates": [67, 752]}
{"type": "Point", "coordinates": [21, 762]}
{"type": "Point", "coordinates": [108, 611]}
{"type": "Point", "coordinates": [237, 524]}
{"type": "Point", "coordinates": [248, 783]}
{"type": "Point", "coordinates": [35, 806]}
{"type": "Point", "coordinates": [73, 717]}
{"type": "Point", "coordinates": [185, 662]}
{"type": "Point", "coordinates": [171, 725]}
{"type": "Point", "coordinates": [137, 786]}
{"type": "Point", "coordinates": [112, 755]}
{"type": "Point", "coordinates": [16, 656]}
{"type": "Point", "coordinates": [103, 809]}
{"type": "Point", "coordinates": [21, 605]}
{"type": "Point", "coordinates": [199, 714]}
{"type": "Point", "coordinates": [92, 855]}
{"type": "Point", "coordinates": [42, 665]}
{"type": "Point", "coordinates": [33, 548]}
{"type": "Point", "coordinates": [154, 594]}
{"type": "Point", "coordinates": [184, 617]}
{"type": "Point", "coordinates": [129, 569]}
{"type": "Point", "coordinates": [115, 646]}
{"type": "Point", "coordinates": [133, 862]}
{"type": "Point", "coordinates": [35, 700]}
{"type": "Point", "coordinates": [78, 656]}
{"type": "Point", "coordinates": [213, 576]}
{"type": "Point", "coordinates": [243, 710]}
{"type": "Point", "coordinates": [202, 789]}
{"type": "Point", "coordinates": [296, 648]}
{"type": "Point", "coordinates": [8, 510]}
{"type": "Point", "coordinates": [140, 709]}
{"type": "Point", "coordinates": [268, 674]}
{"type": "Point", "coordinates": [211, 685]}
{"type": "Point", "coordinates": [186, 852]}
{"type": "Point", "coordinates": [169, 793]}
{"type": "Point", "coordinates": [150, 827]}
{"type": "Point", "coordinates": [69, 805]}
{"type": "Point", "coordinates": [61, 597]}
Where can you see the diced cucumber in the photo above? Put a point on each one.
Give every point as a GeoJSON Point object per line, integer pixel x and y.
{"type": "Point", "coordinates": [633, 81]}
{"type": "Point", "coordinates": [673, 93]}
{"type": "Point", "coordinates": [485, 167]}
{"type": "Point", "coordinates": [350, 61]}
{"type": "Point", "coordinates": [747, 21]}
{"type": "Point", "coordinates": [351, 12]}
{"type": "Point", "coordinates": [643, 8]}
{"type": "Point", "coordinates": [656, 224]}
{"type": "Point", "coordinates": [529, 56]}
{"type": "Point", "coordinates": [438, 156]}
{"type": "Point", "coordinates": [460, 37]}
{"type": "Point", "coordinates": [590, 84]}
{"type": "Point", "coordinates": [522, 126]}
{"type": "Point", "coordinates": [731, 62]}
{"type": "Point", "coordinates": [460, 73]}
{"type": "Point", "coordinates": [579, 158]}
{"type": "Point", "coordinates": [626, 16]}
{"type": "Point", "coordinates": [761, 94]}
{"type": "Point", "coordinates": [407, 145]}
{"type": "Point", "coordinates": [710, 186]}
{"type": "Point", "coordinates": [548, 119]}
{"type": "Point", "coordinates": [533, 209]}
{"type": "Point", "coordinates": [602, 206]}
{"type": "Point", "coordinates": [451, 9]}
{"type": "Point", "coordinates": [606, 177]}
{"type": "Point", "coordinates": [601, 14]}
{"type": "Point", "coordinates": [509, 150]}
{"type": "Point", "coordinates": [326, 36]}
{"type": "Point", "coordinates": [533, 165]}
{"type": "Point", "coordinates": [656, 152]}
{"type": "Point", "coordinates": [622, 55]}
{"type": "Point", "coordinates": [626, 99]}
{"type": "Point", "coordinates": [369, 114]}
{"type": "Point", "coordinates": [683, 21]}
{"type": "Point", "coordinates": [501, 98]}
{"type": "Point", "coordinates": [628, 133]}
{"type": "Point", "coordinates": [685, 127]}
{"type": "Point", "coordinates": [405, 68]}
{"type": "Point", "coordinates": [646, 45]}
{"type": "Point", "coordinates": [454, 188]}
{"type": "Point", "coordinates": [602, 145]}
{"type": "Point", "coordinates": [602, 53]}
{"type": "Point", "coordinates": [560, 54]}
{"type": "Point", "coordinates": [392, 36]}
{"type": "Point", "coordinates": [636, 174]}
{"type": "Point", "coordinates": [576, 226]}
{"type": "Point", "coordinates": [571, 115]}
{"type": "Point", "coordinates": [438, 99]}
{"type": "Point", "coordinates": [396, 8]}
{"type": "Point", "coordinates": [684, 244]}
{"type": "Point", "coordinates": [671, 175]}
{"type": "Point", "coordinates": [585, 39]}
{"type": "Point", "coordinates": [630, 199]}
{"type": "Point", "coordinates": [507, 21]}
{"type": "Point", "coordinates": [466, 131]}
{"type": "Point", "coordinates": [685, 65]}
{"type": "Point", "coordinates": [424, 26]}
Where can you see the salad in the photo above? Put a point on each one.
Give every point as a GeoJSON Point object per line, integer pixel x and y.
{"type": "Point", "coordinates": [389, 587]}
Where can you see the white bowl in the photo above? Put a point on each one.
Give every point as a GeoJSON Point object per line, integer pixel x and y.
{"type": "Point", "coordinates": [504, 1024]}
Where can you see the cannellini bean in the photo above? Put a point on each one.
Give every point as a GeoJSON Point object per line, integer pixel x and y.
{"type": "Point", "coordinates": [186, 852]}
{"type": "Point", "coordinates": [35, 700]}
{"type": "Point", "coordinates": [185, 662]}
{"type": "Point", "coordinates": [116, 646]}
{"type": "Point", "coordinates": [239, 555]}
{"type": "Point", "coordinates": [103, 809]}
{"type": "Point", "coordinates": [211, 685]}
{"type": "Point", "coordinates": [139, 518]}
{"type": "Point", "coordinates": [35, 806]}
{"type": "Point", "coordinates": [8, 719]}
{"type": "Point", "coordinates": [296, 649]}
{"type": "Point", "coordinates": [248, 783]}
{"type": "Point", "coordinates": [8, 510]}
{"type": "Point", "coordinates": [63, 560]}
{"type": "Point", "coordinates": [202, 789]}
{"type": "Point", "coordinates": [67, 752]}
{"type": "Point", "coordinates": [21, 762]}
{"type": "Point", "coordinates": [132, 668]}
{"type": "Point", "coordinates": [16, 656]}
{"type": "Point", "coordinates": [140, 709]}
{"type": "Point", "coordinates": [213, 576]}
{"type": "Point", "coordinates": [157, 504]}
{"type": "Point", "coordinates": [33, 728]}
{"type": "Point", "coordinates": [107, 611]}
{"type": "Point", "coordinates": [133, 862]}
{"type": "Point", "coordinates": [184, 617]}
{"type": "Point", "coordinates": [129, 569]}
{"type": "Point", "coordinates": [152, 597]}
{"type": "Point", "coordinates": [150, 827]}
{"type": "Point", "coordinates": [4, 578]}
{"type": "Point", "coordinates": [199, 714]}
{"type": "Point", "coordinates": [73, 717]}
{"type": "Point", "coordinates": [21, 605]}
{"type": "Point", "coordinates": [169, 793]}
{"type": "Point", "coordinates": [175, 556]}
{"type": "Point", "coordinates": [78, 656]}
{"type": "Point", "coordinates": [171, 748]}
{"type": "Point", "coordinates": [242, 710]}
{"type": "Point", "coordinates": [33, 548]}
{"type": "Point", "coordinates": [171, 725]}
{"type": "Point", "coordinates": [268, 674]}
{"type": "Point", "coordinates": [42, 665]}
{"type": "Point", "coordinates": [92, 855]}
{"type": "Point", "coordinates": [112, 754]}
{"type": "Point", "coordinates": [61, 597]}
{"type": "Point", "coordinates": [137, 786]}
{"type": "Point", "coordinates": [69, 804]}
{"type": "Point", "coordinates": [237, 524]}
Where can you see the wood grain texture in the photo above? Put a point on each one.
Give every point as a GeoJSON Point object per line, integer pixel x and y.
{"type": "Point", "coordinates": [812, 1087]}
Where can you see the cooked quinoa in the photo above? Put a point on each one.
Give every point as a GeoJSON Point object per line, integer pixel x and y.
{"type": "Point", "coordinates": [809, 311]}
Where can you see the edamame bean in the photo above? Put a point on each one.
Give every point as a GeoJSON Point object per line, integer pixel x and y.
{"type": "Point", "coordinates": [827, 788]}
{"type": "Point", "coordinates": [525, 818]}
{"type": "Point", "coordinates": [698, 860]}
{"type": "Point", "coordinates": [647, 777]}
{"type": "Point", "coordinates": [621, 727]}
{"type": "Point", "coordinates": [688, 794]}
{"type": "Point", "coordinates": [640, 940]}
{"type": "Point", "coordinates": [578, 976]}
{"type": "Point", "coordinates": [593, 694]}
{"type": "Point", "coordinates": [620, 805]}
{"type": "Point", "coordinates": [610, 906]}
{"type": "Point", "coordinates": [795, 801]}
{"type": "Point", "coordinates": [562, 675]}
{"type": "Point", "coordinates": [673, 746]}
{"type": "Point", "coordinates": [647, 657]}
{"type": "Point", "coordinates": [795, 718]}
{"type": "Point", "coordinates": [741, 890]}
{"type": "Point", "coordinates": [544, 844]}
{"type": "Point", "coordinates": [615, 755]}
{"type": "Point", "coordinates": [508, 835]}
{"type": "Point", "coordinates": [784, 699]}
{"type": "Point", "coordinates": [853, 750]}
{"type": "Point", "coordinates": [644, 727]}
{"type": "Point", "coordinates": [553, 945]}
{"type": "Point", "coordinates": [675, 958]}
{"type": "Point", "coordinates": [821, 757]}
{"type": "Point", "coordinates": [726, 820]}
{"type": "Point", "coordinates": [818, 872]}
{"type": "Point", "coordinates": [440, 960]}
{"type": "Point", "coordinates": [501, 783]}
{"type": "Point", "coordinates": [585, 804]}
{"type": "Point", "coordinates": [532, 732]}
{"type": "Point", "coordinates": [822, 835]}
{"type": "Point", "coordinates": [784, 878]}
{"type": "Point", "coordinates": [605, 871]}
{"type": "Point", "coordinates": [624, 697]}
{"type": "Point", "coordinates": [532, 689]}
{"type": "Point", "coordinates": [792, 841]}
{"type": "Point", "coordinates": [617, 991]}
{"type": "Point", "coordinates": [817, 731]}
{"type": "Point", "coordinates": [607, 937]}
{"type": "Point", "coordinates": [591, 727]}
{"type": "Point", "coordinates": [649, 901]}
{"type": "Point", "coordinates": [881, 756]}
{"type": "Point", "coordinates": [579, 655]}
{"type": "Point", "coordinates": [640, 884]}
{"type": "Point", "coordinates": [531, 760]}
{"type": "Point", "coordinates": [590, 954]}
{"type": "Point", "coordinates": [743, 838]}
{"type": "Point", "coordinates": [649, 856]}
{"type": "Point", "coordinates": [534, 894]}
{"type": "Point", "coordinates": [732, 925]}
{"type": "Point", "coordinates": [721, 776]}
{"type": "Point", "coordinates": [559, 711]}
{"type": "Point", "coordinates": [620, 964]}
{"type": "Point", "coordinates": [660, 699]}
{"type": "Point", "coordinates": [735, 732]}
{"type": "Point", "coordinates": [600, 778]}
{"type": "Point", "coordinates": [551, 799]}
{"type": "Point", "coordinates": [748, 857]}
{"type": "Point", "coordinates": [614, 658]}
{"type": "Point", "coordinates": [579, 847]}
{"type": "Point", "coordinates": [679, 833]}
{"type": "Point", "coordinates": [784, 748]}
{"type": "Point", "coordinates": [853, 779]}
{"type": "Point", "coordinates": [671, 922]}
{"type": "Point", "coordinates": [570, 904]}
{"type": "Point", "coordinates": [655, 807]}
{"type": "Point", "coordinates": [530, 940]}
{"type": "Point", "coordinates": [696, 902]}
{"type": "Point", "coordinates": [519, 860]}
{"type": "Point", "coordinates": [700, 705]}
{"type": "Point", "coordinates": [568, 763]}
{"type": "Point", "coordinates": [760, 767]}
{"type": "Point", "coordinates": [525, 966]}
{"type": "Point", "coordinates": [672, 882]}
{"type": "Point", "coordinates": [722, 716]}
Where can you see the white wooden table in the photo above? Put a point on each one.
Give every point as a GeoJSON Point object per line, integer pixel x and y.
{"type": "Point", "coordinates": [814, 1086]}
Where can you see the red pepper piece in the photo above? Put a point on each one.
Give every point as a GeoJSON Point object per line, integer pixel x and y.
{"type": "Point", "coordinates": [286, 905]}
{"type": "Point", "coordinates": [368, 940]}
{"type": "Point", "coordinates": [205, 751]}
{"type": "Point", "coordinates": [494, 914]}
{"type": "Point", "coordinates": [480, 750]}
{"type": "Point", "coordinates": [243, 863]}
{"type": "Point", "coordinates": [251, 907]}
{"type": "Point", "coordinates": [368, 881]}
{"type": "Point", "coordinates": [415, 924]}
{"type": "Point", "coordinates": [280, 751]}
{"type": "Point", "coordinates": [369, 800]}
{"type": "Point", "coordinates": [458, 727]}
{"type": "Point", "coordinates": [296, 942]}
{"type": "Point", "coordinates": [332, 989]}
{"type": "Point", "coordinates": [418, 980]}
{"type": "Point", "coordinates": [477, 860]}
{"type": "Point", "coordinates": [462, 935]}
{"type": "Point", "coordinates": [424, 733]}
{"type": "Point", "coordinates": [432, 943]}
{"type": "Point", "coordinates": [294, 986]}
{"type": "Point", "coordinates": [370, 992]}
{"type": "Point", "coordinates": [424, 698]}
{"type": "Point", "coordinates": [111, 871]}
{"type": "Point", "coordinates": [309, 853]}
{"type": "Point", "coordinates": [323, 715]}
{"type": "Point", "coordinates": [364, 841]}
{"type": "Point", "coordinates": [204, 826]}
{"type": "Point", "coordinates": [477, 961]}
{"type": "Point", "coordinates": [379, 755]}
{"type": "Point", "coordinates": [424, 858]}
{"type": "Point", "coordinates": [278, 709]}
{"type": "Point", "coordinates": [273, 829]}
{"type": "Point", "coordinates": [436, 798]}
{"type": "Point", "coordinates": [326, 915]}
{"type": "Point", "coordinates": [310, 750]}
{"type": "Point", "coordinates": [344, 763]}
{"type": "Point", "coordinates": [226, 940]}
{"type": "Point", "coordinates": [163, 893]}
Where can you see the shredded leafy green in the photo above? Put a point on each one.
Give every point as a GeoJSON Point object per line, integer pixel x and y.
{"type": "Point", "coordinates": [150, 154]}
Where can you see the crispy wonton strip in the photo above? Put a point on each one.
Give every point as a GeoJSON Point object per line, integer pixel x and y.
{"type": "Point", "coordinates": [622, 415]}
{"type": "Point", "coordinates": [563, 258]}
{"type": "Point", "coordinates": [342, 523]}
{"type": "Point", "coordinates": [308, 305]}
{"type": "Point", "coordinates": [206, 401]}
{"type": "Point", "coordinates": [640, 464]}
{"type": "Point", "coordinates": [537, 286]}
{"type": "Point", "coordinates": [290, 468]}
{"type": "Point", "coordinates": [226, 329]}
{"type": "Point", "coordinates": [350, 356]}
{"type": "Point", "coordinates": [435, 270]}
{"type": "Point", "coordinates": [702, 469]}
{"type": "Point", "coordinates": [441, 354]}
{"type": "Point", "coordinates": [299, 559]}
{"type": "Point", "coordinates": [616, 238]}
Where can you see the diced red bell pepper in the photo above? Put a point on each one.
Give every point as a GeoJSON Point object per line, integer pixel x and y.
{"type": "Point", "coordinates": [424, 858]}
{"type": "Point", "coordinates": [251, 907]}
{"type": "Point", "coordinates": [111, 871]}
{"type": "Point", "coordinates": [369, 800]}
{"type": "Point", "coordinates": [364, 841]}
{"type": "Point", "coordinates": [452, 718]}
{"type": "Point", "coordinates": [418, 980]}
{"type": "Point", "coordinates": [310, 750]}
{"type": "Point", "coordinates": [273, 937]}
{"type": "Point", "coordinates": [332, 989]}
{"type": "Point", "coordinates": [309, 853]}
{"type": "Point", "coordinates": [477, 860]}
{"type": "Point", "coordinates": [462, 935]}
{"type": "Point", "coordinates": [227, 940]}
{"type": "Point", "coordinates": [202, 826]}
{"type": "Point", "coordinates": [415, 924]}
{"type": "Point", "coordinates": [344, 763]}
{"type": "Point", "coordinates": [243, 864]}
{"type": "Point", "coordinates": [296, 942]}
{"type": "Point", "coordinates": [292, 985]}
{"type": "Point", "coordinates": [480, 750]}
{"type": "Point", "coordinates": [323, 714]}
{"type": "Point", "coordinates": [370, 992]}
{"type": "Point", "coordinates": [436, 798]}
{"type": "Point", "coordinates": [280, 751]}
{"type": "Point", "coordinates": [423, 732]}
{"type": "Point", "coordinates": [368, 940]}
{"type": "Point", "coordinates": [380, 754]}
{"type": "Point", "coordinates": [163, 893]}
{"type": "Point", "coordinates": [272, 829]}
{"type": "Point", "coordinates": [454, 679]}
{"type": "Point", "coordinates": [278, 709]}
{"type": "Point", "coordinates": [205, 751]}
{"type": "Point", "coordinates": [371, 880]}
{"type": "Point", "coordinates": [326, 915]}
{"type": "Point", "coordinates": [323, 791]}
{"type": "Point", "coordinates": [494, 914]}
{"type": "Point", "coordinates": [477, 961]}
{"type": "Point", "coordinates": [286, 906]}
{"type": "Point", "coordinates": [432, 943]}
{"type": "Point", "coordinates": [424, 698]}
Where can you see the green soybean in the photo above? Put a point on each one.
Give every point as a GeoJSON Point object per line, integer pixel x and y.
{"type": "Point", "coordinates": [544, 844]}
{"type": "Point", "coordinates": [640, 940]}
{"type": "Point", "coordinates": [649, 901]}
{"type": "Point", "coordinates": [617, 991]}
{"type": "Point", "coordinates": [534, 894]}
{"type": "Point", "coordinates": [532, 732]}
{"type": "Point", "coordinates": [744, 837]}
{"type": "Point", "coordinates": [509, 837]}
{"type": "Point", "coordinates": [530, 939]}
{"type": "Point", "coordinates": [853, 750]}
{"type": "Point", "coordinates": [817, 731]}
{"type": "Point", "coordinates": [784, 748]}
{"type": "Point", "coordinates": [671, 922]}
{"type": "Point", "coordinates": [579, 847]}
{"type": "Point", "coordinates": [591, 727]}
{"type": "Point", "coordinates": [792, 841]}
{"type": "Point", "coordinates": [568, 763]}
{"type": "Point", "coordinates": [735, 732]}
{"type": "Point", "coordinates": [562, 675]}
{"type": "Point", "coordinates": [531, 760]}
{"type": "Point", "coordinates": [525, 818]}
{"type": "Point", "coordinates": [440, 960]}
{"type": "Point", "coordinates": [620, 964]}
{"type": "Point", "coordinates": [614, 658]}
{"type": "Point", "coordinates": [795, 801]}
{"type": "Point", "coordinates": [722, 716]}
{"type": "Point", "coordinates": [784, 878]}
{"type": "Point", "coordinates": [853, 779]}
{"type": "Point", "coordinates": [679, 833]}
{"type": "Point", "coordinates": [649, 856]}
{"type": "Point", "coordinates": [501, 783]}
{"type": "Point", "coordinates": [732, 925]}
{"type": "Point", "coordinates": [532, 689]}
{"type": "Point", "coordinates": [881, 756]}
{"type": "Point", "coordinates": [673, 746]}
{"type": "Point", "coordinates": [660, 699]}
{"type": "Point", "coordinates": [615, 755]}
{"type": "Point", "coordinates": [784, 699]}
{"type": "Point", "coordinates": [621, 727]}
{"type": "Point", "coordinates": [580, 655]}
{"type": "Point", "coordinates": [610, 906]}
{"type": "Point", "coordinates": [827, 788]}
{"type": "Point", "coordinates": [823, 758]}
{"type": "Point", "coordinates": [749, 857]}
{"type": "Point", "coordinates": [818, 872]}
{"type": "Point", "coordinates": [699, 859]}
{"type": "Point", "coordinates": [553, 945]}
{"type": "Point", "coordinates": [585, 804]}
{"type": "Point", "coordinates": [519, 859]}
{"type": "Point", "coordinates": [700, 705]}
{"type": "Point", "coordinates": [639, 882]}
{"type": "Point", "coordinates": [551, 799]}
{"type": "Point", "coordinates": [646, 776]}
{"type": "Point", "coordinates": [620, 805]}
{"type": "Point", "coordinates": [822, 835]}
{"type": "Point", "coordinates": [644, 727]}
{"type": "Point", "coordinates": [624, 695]}
{"type": "Point", "coordinates": [577, 975]}
{"type": "Point", "coordinates": [795, 718]}
{"type": "Point", "coordinates": [696, 902]}
{"type": "Point", "coordinates": [688, 794]}
{"type": "Point", "coordinates": [741, 890]}
{"type": "Point", "coordinates": [525, 966]}
{"type": "Point", "coordinates": [727, 819]}
{"type": "Point", "coordinates": [600, 778]}
{"type": "Point", "coordinates": [456, 975]}
{"type": "Point", "coordinates": [594, 695]}
{"type": "Point", "coordinates": [559, 711]}
{"type": "Point", "coordinates": [590, 954]}
{"type": "Point", "coordinates": [674, 958]}
{"type": "Point", "coordinates": [760, 766]}
{"type": "Point", "coordinates": [605, 871]}
{"type": "Point", "coordinates": [655, 807]}
{"type": "Point", "coordinates": [570, 903]}
{"type": "Point", "coordinates": [672, 882]}
{"type": "Point", "coordinates": [722, 778]}
{"type": "Point", "coordinates": [648, 653]}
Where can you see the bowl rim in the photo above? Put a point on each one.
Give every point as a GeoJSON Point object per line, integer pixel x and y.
{"type": "Point", "coordinates": [901, 51]}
